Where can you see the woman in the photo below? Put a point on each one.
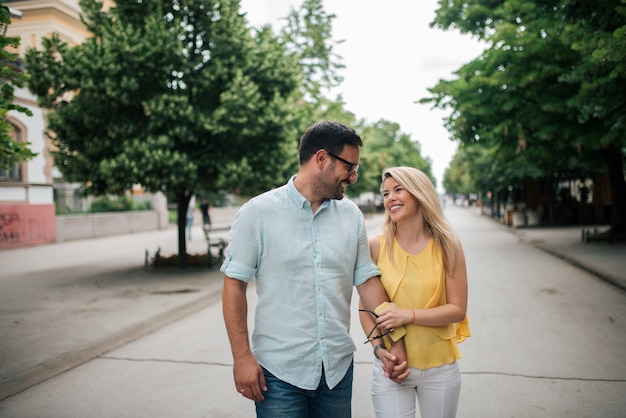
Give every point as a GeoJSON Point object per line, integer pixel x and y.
{"type": "Point", "coordinates": [423, 271]}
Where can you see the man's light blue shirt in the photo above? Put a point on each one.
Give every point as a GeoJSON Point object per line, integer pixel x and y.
{"type": "Point", "coordinates": [305, 266]}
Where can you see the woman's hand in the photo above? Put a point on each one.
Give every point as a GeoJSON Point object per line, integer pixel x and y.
{"type": "Point", "coordinates": [395, 370]}
{"type": "Point", "coordinates": [393, 317]}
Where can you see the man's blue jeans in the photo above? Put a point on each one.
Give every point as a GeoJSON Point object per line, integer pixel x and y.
{"type": "Point", "coordinates": [283, 400]}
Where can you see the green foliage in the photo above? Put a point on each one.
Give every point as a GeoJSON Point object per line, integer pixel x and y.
{"type": "Point", "coordinates": [598, 33]}
{"type": "Point", "coordinates": [11, 75]}
{"type": "Point", "coordinates": [188, 99]}
{"type": "Point", "coordinates": [385, 145]}
{"type": "Point", "coordinates": [308, 33]}
{"type": "Point", "coordinates": [509, 99]}
{"type": "Point", "coordinates": [458, 176]}
{"type": "Point", "coordinates": [118, 204]}
{"type": "Point", "coordinates": [541, 100]}
{"type": "Point", "coordinates": [166, 99]}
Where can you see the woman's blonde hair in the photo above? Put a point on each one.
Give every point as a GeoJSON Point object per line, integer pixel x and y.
{"type": "Point", "coordinates": [419, 185]}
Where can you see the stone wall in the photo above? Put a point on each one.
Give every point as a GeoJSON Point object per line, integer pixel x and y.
{"type": "Point", "coordinates": [72, 227]}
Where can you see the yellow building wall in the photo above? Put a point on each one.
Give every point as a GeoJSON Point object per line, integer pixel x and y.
{"type": "Point", "coordinates": [27, 205]}
{"type": "Point", "coordinates": [42, 18]}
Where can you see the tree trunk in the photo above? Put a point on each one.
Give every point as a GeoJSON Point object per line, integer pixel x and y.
{"type": "Point", "coordinates": [615, 164]}
{"type": "Point", "coordinates": [182, 203]}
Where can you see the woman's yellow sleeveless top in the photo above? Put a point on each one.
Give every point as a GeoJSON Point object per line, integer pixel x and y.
{"type": "Point", "coordinates": [418, 281]}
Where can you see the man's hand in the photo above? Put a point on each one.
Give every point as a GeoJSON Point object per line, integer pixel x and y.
{"type": "Point", "coordinates": [249, 379]}
{"type": "Point", "coordinates": [394, 370]}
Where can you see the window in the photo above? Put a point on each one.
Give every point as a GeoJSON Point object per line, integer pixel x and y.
{"type": "Point", "coordinates": [13, 173]}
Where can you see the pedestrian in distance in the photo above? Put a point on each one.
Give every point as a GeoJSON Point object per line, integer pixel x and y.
{"type": "Point", "coordinates": [205, 207]}
{"type": "Point", "coordinates": [424, 273]}
{"type": "Point", "coordinates": [190, 208]}
{"type": "Point", "coordinates": [306, 247]}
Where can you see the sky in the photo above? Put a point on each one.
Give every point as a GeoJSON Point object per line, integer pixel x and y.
{"type": "Point", "coordinates": [391, 58]}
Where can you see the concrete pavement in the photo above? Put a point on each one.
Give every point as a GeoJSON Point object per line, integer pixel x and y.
{"type": "Point", "coordinates": [65, 303]}
{"type": "Point", "coordinates": [607, 261]}
{"type": "Point", "coordinates": [547, 337]}
{"type": "Point", "coordinates": [92, 304]}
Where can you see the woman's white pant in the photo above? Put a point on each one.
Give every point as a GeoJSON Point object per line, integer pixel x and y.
{"type": "Point", "coordinates": [436, 390]}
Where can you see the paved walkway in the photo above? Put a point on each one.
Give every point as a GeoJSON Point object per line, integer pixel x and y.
{"type": "Point", "coordinates": [605, 261]}
{"type": "Point", "coordinates": [64, 304]}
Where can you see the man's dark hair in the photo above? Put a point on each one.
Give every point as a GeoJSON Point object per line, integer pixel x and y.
{"type": "Point", "coordinates": [329, 135]}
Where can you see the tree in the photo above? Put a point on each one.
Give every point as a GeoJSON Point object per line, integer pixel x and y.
{"type": "Point", "coordinates": [308, 33]}
{"type": "Point", "coordinates": [11, 75]}
{"type": "Point", "coordinates": [522, 98]}
{"type": "Point", "coordinates": [598, 33]}
{"type": "Point", "coordinates": [458, 178]}
{"type": "Point", "coordinates": [171, 100]}
{"type": "Point", "coordinates": [307, 39]}
{"type": "Point", "coordinates": [386, 145]}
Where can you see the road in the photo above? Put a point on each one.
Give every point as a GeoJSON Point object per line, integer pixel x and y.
{"type": "Point", "coordinates": [547, 340]}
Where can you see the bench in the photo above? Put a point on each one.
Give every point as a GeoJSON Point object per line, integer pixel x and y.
{"type": "Point", "coordinates": [215, 244]}
{"type": "Point", "coordinates": [220, 246]}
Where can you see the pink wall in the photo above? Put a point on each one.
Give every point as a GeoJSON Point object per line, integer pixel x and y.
{"type": "Point", "coordinates": [22, 225]}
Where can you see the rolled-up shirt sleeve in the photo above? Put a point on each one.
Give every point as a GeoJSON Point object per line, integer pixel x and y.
{"type": "Point", "coordinates": [244, 245]}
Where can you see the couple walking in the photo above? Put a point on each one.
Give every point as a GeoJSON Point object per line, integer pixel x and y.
{"type": "Point", "coordinates": [306, 247]}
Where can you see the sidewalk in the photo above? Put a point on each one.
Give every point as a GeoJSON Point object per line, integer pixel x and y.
{"type": "Point", "coordinates": [64, 304]}
{"type": "Point", "coordinates": [603, 260]}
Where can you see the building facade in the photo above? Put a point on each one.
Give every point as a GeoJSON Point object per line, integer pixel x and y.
{"type": "Point", "coordinates": [27, 210]}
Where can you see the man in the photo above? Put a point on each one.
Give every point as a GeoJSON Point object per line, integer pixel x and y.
{"type": "Point", "coordinates": [306, 247]}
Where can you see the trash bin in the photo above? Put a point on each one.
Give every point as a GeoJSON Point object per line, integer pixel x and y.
{"type": "Point", "coordinates": [519, 219]}
{"type": "Point", "coordinates": [533, 218]}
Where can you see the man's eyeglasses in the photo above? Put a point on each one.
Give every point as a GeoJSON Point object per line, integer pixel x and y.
{"type": "Point", "coordinates": [353, 168]}
{"type": "Point", "coordinates": [369, 336]}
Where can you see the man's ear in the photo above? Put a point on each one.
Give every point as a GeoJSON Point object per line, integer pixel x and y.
{"type": "Point", "coordinates": [320, 158]}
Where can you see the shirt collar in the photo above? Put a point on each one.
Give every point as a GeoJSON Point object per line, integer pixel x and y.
{"type": "Point", "coordinates": [294, 194]}
{"type": "Point", "coordinates": [297, 198]}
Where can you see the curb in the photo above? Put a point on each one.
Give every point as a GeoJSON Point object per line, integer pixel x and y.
{"type": "Point", "coordinates": [610, 279]}
{"type": "Point", "coordinates": [617, 282]}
